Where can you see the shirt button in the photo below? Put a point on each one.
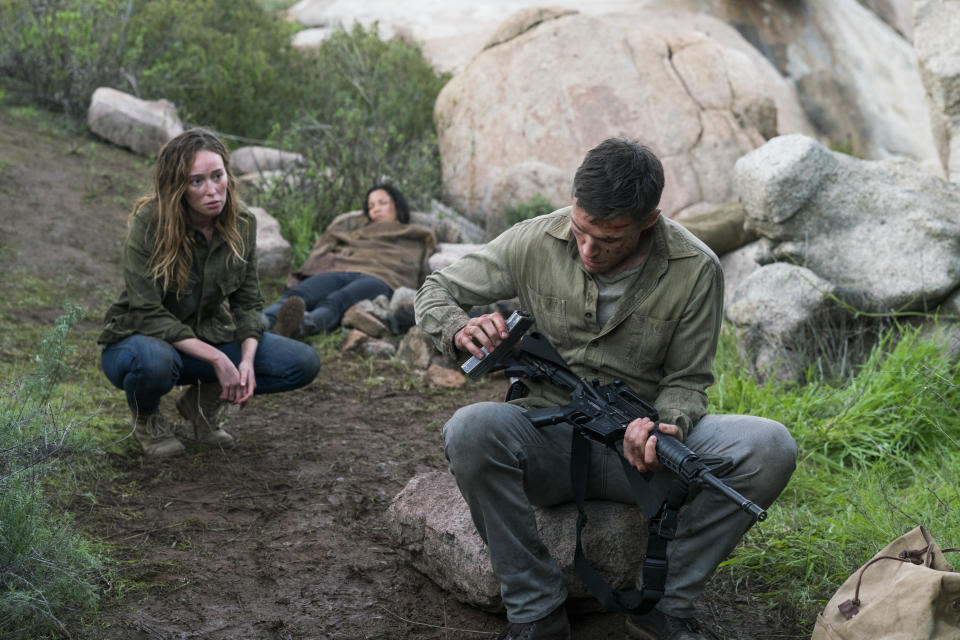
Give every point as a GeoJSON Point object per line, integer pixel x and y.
{"type": "Point", "coordinates": [589, 315]}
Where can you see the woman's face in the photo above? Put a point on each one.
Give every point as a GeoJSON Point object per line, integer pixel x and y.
{"type": "Point", "coordinates": [381, 207]}
{"type": "Point", "coordinates": [206, 187]}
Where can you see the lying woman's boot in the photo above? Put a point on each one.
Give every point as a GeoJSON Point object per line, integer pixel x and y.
{"type": "Point", "coordinates": [201, 404]}
{"type": "Point", "coordinates": [289, 317]}
{"type": "Point", "coordinates": [155, 436]}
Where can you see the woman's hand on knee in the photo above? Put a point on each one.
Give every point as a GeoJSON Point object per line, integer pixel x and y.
{"type": "Point", "coordinates": [229, 378]}
{"type": "Point", "coordinates": [248, 382]}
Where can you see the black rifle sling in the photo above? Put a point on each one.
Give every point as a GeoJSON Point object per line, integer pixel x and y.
{"type": "Point", "coordinates": [662, 517]}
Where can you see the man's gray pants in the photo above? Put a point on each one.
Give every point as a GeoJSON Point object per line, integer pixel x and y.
{"type": "Point", "coordinates": [505, 466]}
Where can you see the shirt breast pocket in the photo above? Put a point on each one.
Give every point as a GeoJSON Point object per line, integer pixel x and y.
{"type": "Point", "coordinates": [648, 339]}
{"type": "Point", "coordinates": [550, 315]}
{"type": "Point", "coordinates": [229, 282]}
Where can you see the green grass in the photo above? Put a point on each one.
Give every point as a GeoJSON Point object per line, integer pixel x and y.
{"type": "Point", "coordinates": [879, 454]}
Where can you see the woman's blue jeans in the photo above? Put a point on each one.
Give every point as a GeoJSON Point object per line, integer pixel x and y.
{"type": "Point", "coordinates": [327, 297]}
{"type": "Point", "coordinates": [148, 368]}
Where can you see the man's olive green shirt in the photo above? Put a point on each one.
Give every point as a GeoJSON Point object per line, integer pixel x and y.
{"type": "Point", "coordinates": [661, 339]}
{"type": "Point", "coordinates": [222, 301]}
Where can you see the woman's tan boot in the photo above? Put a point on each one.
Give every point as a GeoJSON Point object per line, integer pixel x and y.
{"type": "Point", "coordinates": [155, 436]}
{"type": "Point", "coordinates": [201, 404]}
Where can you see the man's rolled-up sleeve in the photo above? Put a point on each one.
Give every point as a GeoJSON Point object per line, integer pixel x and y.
{"type": "Point", "coordinates": [479, 278]}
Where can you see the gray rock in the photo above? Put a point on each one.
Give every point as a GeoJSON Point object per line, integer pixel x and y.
{"type": "Point", "coordinates": [380, 349]}
{"type": "Point", "coordinates": [430, 524]}
{"type": "Point", "coordinates": [363, 316]}
{"type": "Point", "coordinates": [401, 310]}
{"type": "Point", "coordinates": [447, 224]}
{"type": "Point", "coordinates": [143, 126]}
{"type": "Point", "coordinates": [273, 252]}
{"type": "Point", "coordinates": [447, 253]}
{"type": "Point", "coordinates": [885, 233]}
{"type": "Point", "coordinates": [402, 301]}
{"type": "Point", "coordinates": [416, 348]}
{"type": "Point", "coordinates": [945, 326]}
{"type": "Point", "coordinates": [779, 179]}
{"type": "Point", "coordinates": [263, 159]}
{"type": "Point", "coordinates": [740, 263]}
{"type": "Point", "coordinates": [937, 25]}
{"type": "Point", "coordinates": [777, 310]}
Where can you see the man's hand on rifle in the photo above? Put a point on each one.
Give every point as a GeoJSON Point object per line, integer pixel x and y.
{"type": "Point", "coordinates": [486, 331]}
{"type": "Point", "coordinates": [640, 448]}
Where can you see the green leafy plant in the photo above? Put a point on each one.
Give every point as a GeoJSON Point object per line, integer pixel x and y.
{"type": "Point", "coordinates": [372, 121]}
{"type": "Point", "coordinates": [537, 205]}
{"type": "Point", "coordinates": [226, 65]}
{"type": "Point", "coordinates": [48, 571]}
{"type": "Point", "coordinates": [64, 49]}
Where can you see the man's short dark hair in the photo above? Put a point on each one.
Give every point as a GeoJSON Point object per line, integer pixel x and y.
{"type": "Point", "coordinates": [619, 177]}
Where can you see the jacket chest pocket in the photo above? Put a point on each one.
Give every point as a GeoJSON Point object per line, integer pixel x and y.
{"type": "Point", "coordinates": [229, 282]}
{"type": "Point", "coordinates": [550, 315]}
{"type": "Point", "coordinates": [647, 339]}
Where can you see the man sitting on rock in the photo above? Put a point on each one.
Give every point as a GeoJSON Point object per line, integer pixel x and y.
{"type": "Point", "coordinates": [622, 293]}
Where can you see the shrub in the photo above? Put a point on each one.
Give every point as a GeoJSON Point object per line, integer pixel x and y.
{"type": "Point", "coordinates": [64, 49]}
{"type": "Point", "coordinates": [226, 65]}
{"type": "Point", "coordinates": [370, 119]}
{"type": "Point", "coordinates": [538, 205]}
{"type": "Point", "coordinates": [48, 571]}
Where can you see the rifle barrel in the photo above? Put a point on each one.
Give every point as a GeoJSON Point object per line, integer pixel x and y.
{"type": "Point", "coordinates": [759, 513]}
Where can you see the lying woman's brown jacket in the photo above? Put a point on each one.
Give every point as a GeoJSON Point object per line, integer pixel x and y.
{"type": "Point", "coordinates": [391, 251]}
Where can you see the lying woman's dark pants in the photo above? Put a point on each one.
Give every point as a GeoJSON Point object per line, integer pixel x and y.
{"type": "Point", "coordinates": [148, 368]}
{"type": "Point", "coordinates": [327, 297]}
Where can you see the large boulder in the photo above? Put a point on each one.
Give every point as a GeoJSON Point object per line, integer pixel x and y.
{"type": "Point", "coordinates": [937, 25]}
{"type": "Point", "coordinates": [857, 77]}
{"type": "Point", "coordinates": [430, 524]}
{"type": "Point", "coordinates": [777, 312]}
{"type": "Point", "coordinates": [142, 126]}
{"type": "Point", "coordinates": [740, 263]}
{"type": "Point", "coordinates": [885, 233]}
{"type": "Point", "coordinates": [518, 120]}
{"type": "Point", "coordinates": [274, 253]}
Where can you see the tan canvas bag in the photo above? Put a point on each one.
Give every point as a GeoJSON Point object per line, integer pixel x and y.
{"type": "Point", "coordinates": [907, 591]}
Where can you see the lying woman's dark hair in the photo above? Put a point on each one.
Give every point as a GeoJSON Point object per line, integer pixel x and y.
{"type": "Point", "coordinates": [403, 209]}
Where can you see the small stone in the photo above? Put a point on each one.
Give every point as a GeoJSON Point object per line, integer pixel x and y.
{"type": "Point", "coordinates": [444, 377]}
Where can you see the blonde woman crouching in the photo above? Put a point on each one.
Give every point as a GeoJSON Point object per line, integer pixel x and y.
{"type": "Point", "coordinates": [189, 313]}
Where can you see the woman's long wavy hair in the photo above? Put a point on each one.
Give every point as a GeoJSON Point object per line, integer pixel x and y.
{"type": "Point", "coordinates": [172, 256]}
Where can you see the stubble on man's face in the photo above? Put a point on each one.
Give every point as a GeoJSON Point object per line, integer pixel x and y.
{"type": "Point", "coordinates": [607, 246]}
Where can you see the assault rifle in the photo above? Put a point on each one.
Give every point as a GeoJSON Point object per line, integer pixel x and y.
{"type": "Point", "coordinates": [601, 413]}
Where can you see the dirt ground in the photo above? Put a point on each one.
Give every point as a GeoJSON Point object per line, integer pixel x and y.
{"type": "Point", "coordinates": [283, 537]}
